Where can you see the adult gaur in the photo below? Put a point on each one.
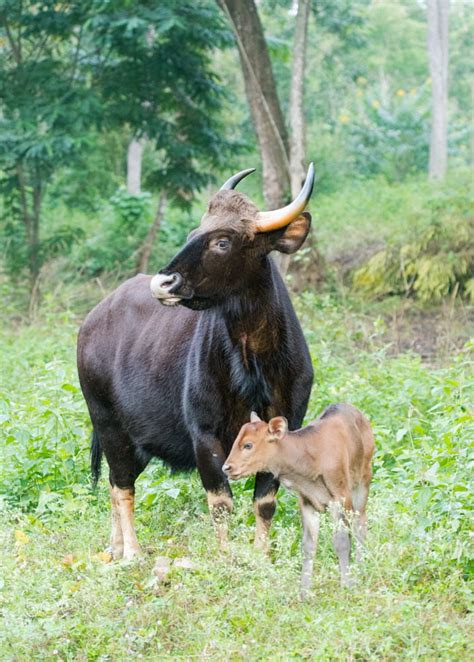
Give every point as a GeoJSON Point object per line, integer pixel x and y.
{"type": "Point", "coordinates": [177, 381]}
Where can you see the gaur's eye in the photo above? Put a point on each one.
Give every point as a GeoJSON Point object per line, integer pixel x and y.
{"type": "Point", "coordinates": [248, 445]}
{"type": "Point", "coordinates": [222, 244]}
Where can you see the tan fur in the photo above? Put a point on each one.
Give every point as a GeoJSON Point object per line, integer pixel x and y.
{"type": "Point", "coordinates": [220, 506]}
{"type": "Point", "coordinates": [124, 539]}
{"type": "Point", "coordinates": [116, 538]}
{"type": "Point", "coordinates": [328, 463]}
{"type": "Point", "coordinates": [230, 210]}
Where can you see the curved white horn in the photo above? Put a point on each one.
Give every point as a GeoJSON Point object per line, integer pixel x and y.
{"type": "Point", "coordinates": [274, 220]}
{"type": "Point", "coordinates": [235, 179]}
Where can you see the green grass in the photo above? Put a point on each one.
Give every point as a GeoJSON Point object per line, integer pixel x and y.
{"type": "Point", "coordinates": [59, 600]}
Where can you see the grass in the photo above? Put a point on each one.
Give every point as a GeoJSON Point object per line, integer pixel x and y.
{"type": "Point", "coordinates": [59, 599]}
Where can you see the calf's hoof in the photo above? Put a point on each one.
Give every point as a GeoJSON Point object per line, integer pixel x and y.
{"type": "Point", "coordinates": [304, 593]}
{"type": "Point", "coordinates": [132, 554]}
{"type": "Point", "coordinates": [347, 582]}
{"type": "Point", "coordinates": [116, 551]}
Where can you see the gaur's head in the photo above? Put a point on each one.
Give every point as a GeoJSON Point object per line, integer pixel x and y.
{"type": "Point", "coordinates": [228, 250]}
{"type": "Point", "coordinates": [255, 447]}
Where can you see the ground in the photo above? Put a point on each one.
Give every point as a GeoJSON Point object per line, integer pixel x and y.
{"type": "Point", "coordinates": [62, 598]}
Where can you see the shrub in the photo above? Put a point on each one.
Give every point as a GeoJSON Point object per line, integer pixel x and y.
{"type": "Point", "coordinates": [438, 262]}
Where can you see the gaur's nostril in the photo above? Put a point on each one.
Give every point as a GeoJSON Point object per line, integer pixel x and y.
{"type": "Point", "coordinates": [163, 284]}
{"type": "Point", "coordinates": [175, 283]}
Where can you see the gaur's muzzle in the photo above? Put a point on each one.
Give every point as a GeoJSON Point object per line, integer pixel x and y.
{"type": "Point", "coordinates": [163, 287]}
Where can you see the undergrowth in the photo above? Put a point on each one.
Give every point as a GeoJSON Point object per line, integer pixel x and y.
{"type": "Point", "coordinates": [60, 599]}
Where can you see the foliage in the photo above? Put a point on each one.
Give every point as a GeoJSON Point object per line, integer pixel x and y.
{"type": "Point", "coordinates": [124, 224]}
{"type": "Point", "coordinates": [161, 56]}
{"type": "Point", "coordinates": [390, 138]}
{"type": "Point", "coordinates": [413, 580]}
{"type": "Point", "coordinates": [70, 72]}
{"type": "Point", "coordinates": [436, 263]}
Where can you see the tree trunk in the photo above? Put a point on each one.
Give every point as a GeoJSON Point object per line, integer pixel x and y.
{"type": "Point", "coordinates": [30, 203]}
{"type": "Point", "coordinates": [147, 246]}
{"type": "Point", "coordinates": [34, 240]}
{"type": "Point", "coordinates": [438, 12]}
{"type": "Point", "coordinates": [134, 166]}
{"type": "Point", "coordinates": [297, 121]}
{"type": "Point", "coordinates": [262, 98]}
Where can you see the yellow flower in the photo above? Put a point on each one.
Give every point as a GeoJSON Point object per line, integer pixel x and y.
{"type": "Point", "coordinates": [361, 80]}
{"type": "Point", "coordinates": [413, 90]}
{"type": "Point", "coordinates": [400, 93]}
{"type": "Point", "coordinates": [359, 93]}
{"type": "Point", "coordinates": [375, 104]}
{"type": "Point", "coordinates": [344, 119]}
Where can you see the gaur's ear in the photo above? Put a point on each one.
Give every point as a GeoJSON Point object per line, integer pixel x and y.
{"type": "Point", "coordinates": [255, 418]}
{"type": "Point", "coordinates": [293, 235]}
{"type": "Point", "coordinates": [277, 428]}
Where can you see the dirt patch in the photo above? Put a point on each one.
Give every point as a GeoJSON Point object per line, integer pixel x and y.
{"type": "Point", "coordinates": [435, 334]}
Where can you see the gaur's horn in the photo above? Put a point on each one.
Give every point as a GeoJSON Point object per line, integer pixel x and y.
{"type": "Point", "coordinates": [235, 179]}
{"type": "Point", "coordinates": [274, 220]}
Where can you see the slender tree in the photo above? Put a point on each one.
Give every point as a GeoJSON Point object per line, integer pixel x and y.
{"type": "Point", "coordinates": [134, 165]}
{"type": "Point", "coordinates": [262, 98]}
{"type": "Point", "coordinates": [296, 114]}
{"type": "Point", "coordinates": [438, 42]}
{"type": "Point", "coordinates": [297, 121]}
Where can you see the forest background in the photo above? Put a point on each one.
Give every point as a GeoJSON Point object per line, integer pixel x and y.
{"type": "Point", "coordinates": [118, 121]}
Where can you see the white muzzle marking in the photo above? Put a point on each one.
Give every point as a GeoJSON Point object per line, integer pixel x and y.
{"type": "Point", "coordinates": [160, 286]}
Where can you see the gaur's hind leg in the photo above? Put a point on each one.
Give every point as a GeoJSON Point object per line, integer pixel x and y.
{"type": "Point", "coordinates": [210, 458]}
{"type": "Point", "coordinates": [124, 468]}
{"type": "Point", "coordinates": [264, 505]}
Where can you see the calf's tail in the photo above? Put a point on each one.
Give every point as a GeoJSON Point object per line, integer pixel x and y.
{"type": "Point", "coordinates": [96, 458]}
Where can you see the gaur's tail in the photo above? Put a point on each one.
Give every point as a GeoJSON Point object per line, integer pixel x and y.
{"type": "Point", "coordinates": [96, 458]}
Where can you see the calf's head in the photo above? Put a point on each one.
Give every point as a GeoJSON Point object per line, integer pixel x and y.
{"type": "Point", "coordinates": [255, 447]}
{"type": "Point", "coordinates": [228, 250]}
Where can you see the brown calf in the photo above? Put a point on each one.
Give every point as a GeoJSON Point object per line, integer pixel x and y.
{"type": "Point", "coordinates": [328, 463]}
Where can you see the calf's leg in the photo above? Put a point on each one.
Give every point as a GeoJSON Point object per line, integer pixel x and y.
{"type": "Point", "coordinates": [264, 505]}
{"type": "Point", "coordinates": [341, 539]}
{"type": "Point", "coordinates": [310, 519]}
{"type": "Point", "coordinates": [359, 524]}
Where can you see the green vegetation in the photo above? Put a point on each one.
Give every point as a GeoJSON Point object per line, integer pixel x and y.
{"type": "Point", "coordinates": [411, 599]}
{"type": "Point", "coordinates": [383, 287]}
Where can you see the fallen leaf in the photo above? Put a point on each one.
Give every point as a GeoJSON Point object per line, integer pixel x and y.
{"type": "Point", "coordinates": [68, 560]}
{"type": "Point", "coordinates": [21, 538]}
{"type": "Point", "coordinates": [104, 557]}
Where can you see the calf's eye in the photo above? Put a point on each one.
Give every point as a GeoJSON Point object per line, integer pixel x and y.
{"type": "Point", "coordinates": [248, 445]}
{"type": "Point", "coordinates": [222, 244]}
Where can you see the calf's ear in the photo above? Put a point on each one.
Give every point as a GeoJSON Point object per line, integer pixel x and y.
{"type": "Point", "coordinates": [255, 418]}
{"type": "Point", "coordinates": [277, 428]}
{"type": "Point", "coordinates": [293, 236]}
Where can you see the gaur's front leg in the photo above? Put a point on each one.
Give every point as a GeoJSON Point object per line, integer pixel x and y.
{"type": "Point", "coordinates": [264, 505]}
{"type": "Point", "coordinates": [210, 457]}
